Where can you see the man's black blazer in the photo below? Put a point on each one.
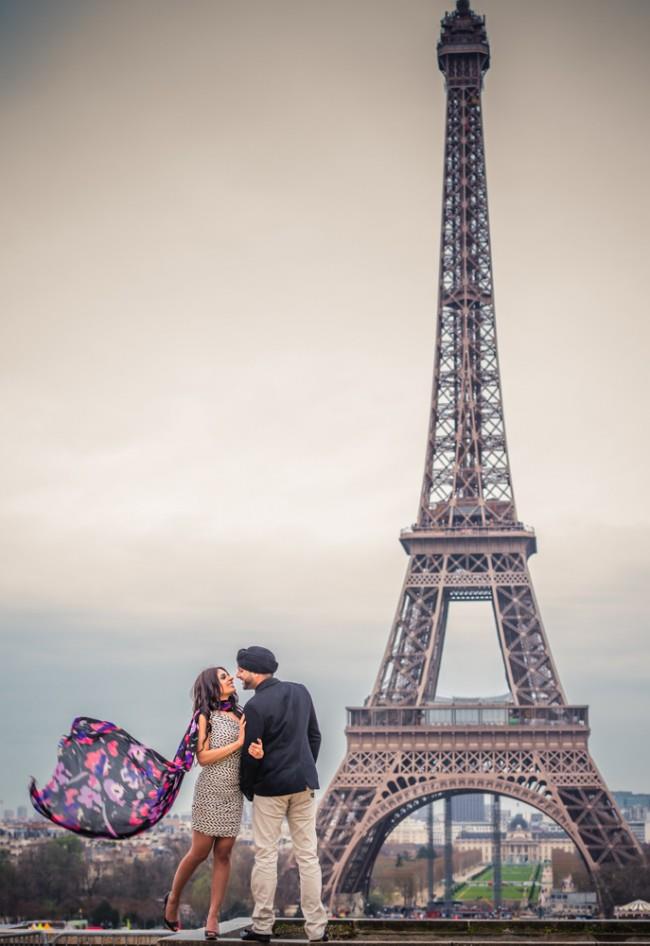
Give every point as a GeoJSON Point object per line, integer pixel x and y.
{"type": "Point", "coordinates": [281, 715]}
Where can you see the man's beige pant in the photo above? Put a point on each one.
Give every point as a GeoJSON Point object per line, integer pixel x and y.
{"type": "Point", "coordinates": [268, 814]}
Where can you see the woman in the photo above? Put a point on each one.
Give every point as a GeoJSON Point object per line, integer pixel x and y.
{"type": "Point", "coordinates": [218, 801]}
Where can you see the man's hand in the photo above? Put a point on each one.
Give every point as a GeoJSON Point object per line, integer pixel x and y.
{"type": "Point", "coordinates": [256, 750]}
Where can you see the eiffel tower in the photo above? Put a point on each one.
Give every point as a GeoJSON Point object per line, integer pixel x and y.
{"type": "Point", "coordinates": [406, 746]}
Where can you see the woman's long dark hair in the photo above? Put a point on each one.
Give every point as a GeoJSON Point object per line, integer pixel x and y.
{"type": "Point", "coordinates": [206, 695]}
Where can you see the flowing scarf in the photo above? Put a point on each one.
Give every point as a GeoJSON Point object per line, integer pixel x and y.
{"type": "Point", "coordinates": [106, 784]}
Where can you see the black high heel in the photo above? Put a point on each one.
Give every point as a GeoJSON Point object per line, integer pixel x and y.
{"type": "Point", "coordinates": [172, 925]}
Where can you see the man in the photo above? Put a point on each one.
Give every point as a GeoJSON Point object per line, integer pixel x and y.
{"type": "Point", "coordinates": [280, 785]}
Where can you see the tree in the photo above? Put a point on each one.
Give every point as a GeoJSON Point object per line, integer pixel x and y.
{"type": "Point", "coordinates": [8, 886]}
{"type": "Point", "coordinates": [105, 915]}
{"type": "Point", "coordinates": [238, 900]}
{"type": "Point", "coordinates": [620, 885]}
{"type": "Point", "coordinates": [52, 878]}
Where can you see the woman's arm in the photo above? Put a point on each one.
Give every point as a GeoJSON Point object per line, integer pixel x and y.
{"type": "Point", "coordinates": [250, 758]}
{"type": "Point", "coordinates": [207, 756]}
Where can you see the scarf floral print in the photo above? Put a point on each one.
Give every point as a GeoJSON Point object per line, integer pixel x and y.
{"type": "Point", "coordinates": [106, 784]}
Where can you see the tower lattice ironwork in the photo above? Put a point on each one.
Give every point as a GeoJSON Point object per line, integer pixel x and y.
{"type": "Point", "coordinates": [406, 746]}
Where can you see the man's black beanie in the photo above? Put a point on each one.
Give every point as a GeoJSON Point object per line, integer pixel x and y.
{"type": "Point", "coordinates": [257, 660]}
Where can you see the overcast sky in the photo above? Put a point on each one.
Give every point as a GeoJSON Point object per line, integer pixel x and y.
{"type": "Point", "coordinates": [220, 232]}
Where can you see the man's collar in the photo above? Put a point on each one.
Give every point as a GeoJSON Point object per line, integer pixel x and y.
{"type": "Point", "coordinates": [266, 683]}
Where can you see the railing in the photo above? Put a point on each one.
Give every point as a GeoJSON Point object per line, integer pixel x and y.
{"type": "Point", "coordinates": [81, 937]}
{"type": "Point", "coordinates": [478, 714]}
{"type": "Point", "coordinates": [22, 937]}
{"type": "Point", "coordinates": [71, 936]}
{"type": "Point", "coordinates": [469, 530]}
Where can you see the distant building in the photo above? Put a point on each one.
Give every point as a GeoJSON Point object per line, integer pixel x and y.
{"type": "Point", "coordinates": [570, 903]}
{"type": "Point", "coordinates": [468, 808]}
{"type": "Point", "coordinates": [409, 831]}
{"type": "Point", "coordinates": [635, 808]}
{"type": "Point", "coordinates": [414, 831]}
{"type": "Point", "coordinates": [640, 828]}
{"type": "Point", "coordinates": [521, 843]}
{"type": "Point", "coordinates": [626, 800]}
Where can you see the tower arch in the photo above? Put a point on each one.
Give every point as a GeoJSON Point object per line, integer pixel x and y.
{"type": "Point", "coordinates": [360, 856]}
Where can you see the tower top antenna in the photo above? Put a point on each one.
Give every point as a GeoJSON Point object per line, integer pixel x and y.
{"type": "Point", "coordinates": [463, 35]}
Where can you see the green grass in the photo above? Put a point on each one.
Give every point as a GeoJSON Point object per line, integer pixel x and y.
{"type": "Point", "coordinates": [519, 882]}
{"type": "Point", "coordinates": [473, 893]}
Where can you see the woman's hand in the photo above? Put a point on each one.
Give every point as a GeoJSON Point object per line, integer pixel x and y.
{"type": "Point", "coordinates": [256, 749]}
{"type": "Point", "coordinates": [242, 731]}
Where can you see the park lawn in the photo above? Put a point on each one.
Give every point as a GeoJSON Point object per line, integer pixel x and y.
{"type": "Point", "coordinates": [508, 892]}
{"type": "Point", "coordinates": [483, 892]}
{"type": "Point", "coordinates": [512, 872]}
{"type": "Point", "coordinates": [474, 892]}
{"type": "Point", "coordinates": [519, 871]}
{"type": "Point", "coordinates": [517, 883]}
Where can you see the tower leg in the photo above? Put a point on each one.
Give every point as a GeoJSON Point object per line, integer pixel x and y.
{"type": "Point", "coordinates": [449, 851]}
{"type": "Point", "coordinates": [496, 852]}
{"type": "Point", "coordinates": [430, 856]}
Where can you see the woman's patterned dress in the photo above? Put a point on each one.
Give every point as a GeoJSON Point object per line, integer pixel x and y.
{"type": "Point", "coordinates": [218, 801]}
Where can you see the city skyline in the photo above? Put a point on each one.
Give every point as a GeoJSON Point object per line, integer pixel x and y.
{"type": "Point", "coordinates": [220, 302]}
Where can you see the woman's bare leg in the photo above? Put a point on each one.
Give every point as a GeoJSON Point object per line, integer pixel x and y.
{"type": "Point", "coordinates": [201, 847]}
{"type": "Point", "coordinates": [220, 872]}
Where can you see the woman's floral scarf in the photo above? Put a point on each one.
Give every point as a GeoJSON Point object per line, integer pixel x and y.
{"type": "Point", "coordinates": [107, 784]}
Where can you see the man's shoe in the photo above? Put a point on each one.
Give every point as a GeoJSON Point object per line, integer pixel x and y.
{"type": "Point", "coordinates": [324, 939]}
{"type": "Point", "coordinates": [249, 935]}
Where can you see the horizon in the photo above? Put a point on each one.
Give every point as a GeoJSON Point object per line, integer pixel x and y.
{"type": "Point", "coordinates": [221, 252]}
